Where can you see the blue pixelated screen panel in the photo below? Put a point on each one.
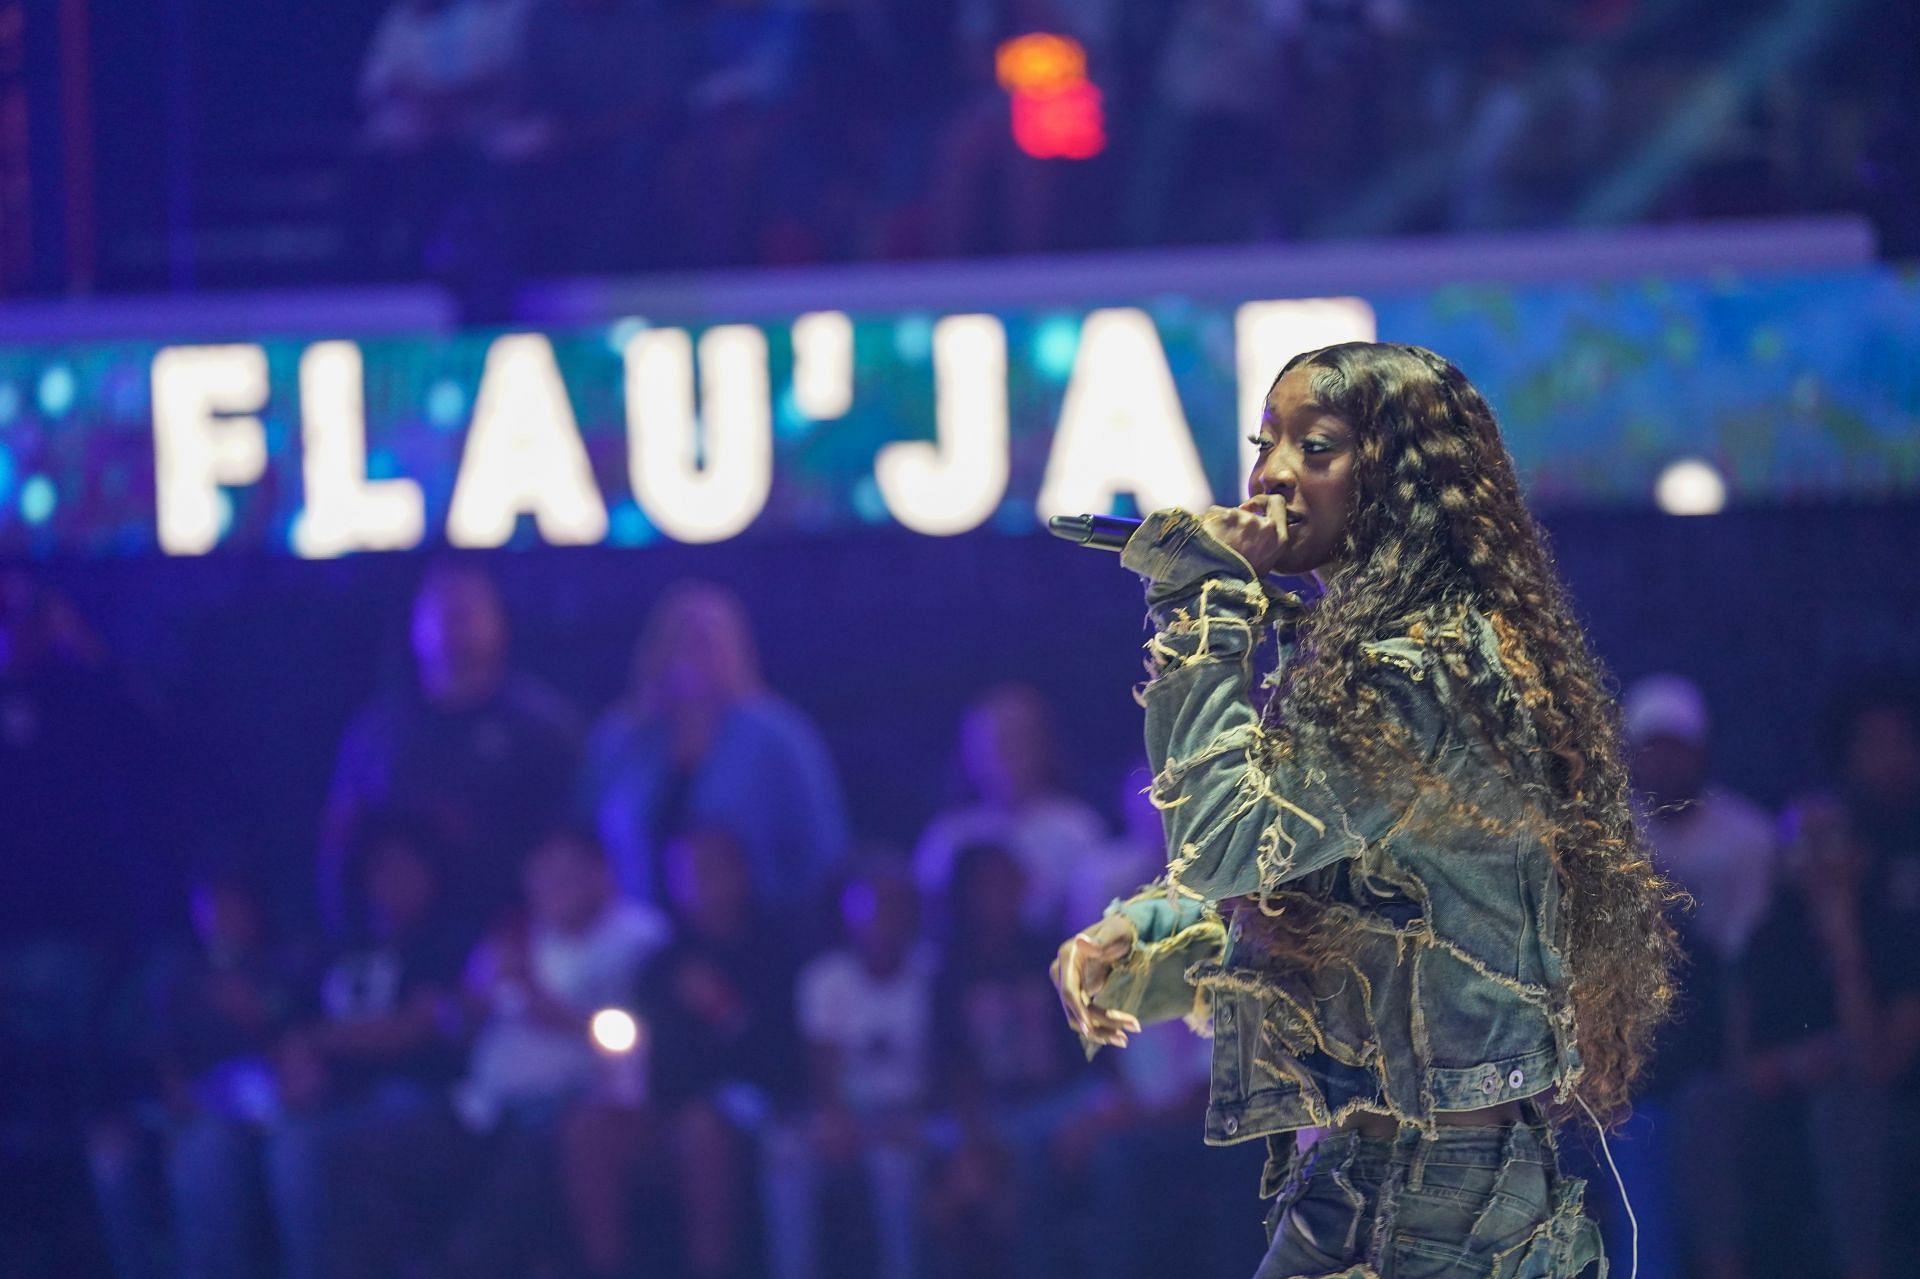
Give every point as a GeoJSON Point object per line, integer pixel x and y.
{"type": "Point", "coordinates": [1679, 390]}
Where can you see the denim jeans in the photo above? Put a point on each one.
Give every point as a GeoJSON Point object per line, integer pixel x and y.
{"type": "Point", "coordinates": [1473, 1203]}
{"type": "Point", "coordinates": [340, 1186]}
{"type": "Point", "coordinates": [792, 1176]}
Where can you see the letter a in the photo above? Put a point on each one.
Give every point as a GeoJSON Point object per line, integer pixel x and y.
{"type": "Point", "coordinates": [524, 455]}
{"type": "Point", "coordinates": [1122, 429]}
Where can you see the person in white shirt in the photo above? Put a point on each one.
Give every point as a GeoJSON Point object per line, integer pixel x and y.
{"type": "Point", "coordinates": [1115, 868]}
{"type": "Point", "coordinates": [1684, 1139]}
{"type": "Point", "coordinates": [865, 1016]}
{"type": "Point", "coordinates": [537, 986]}
{"type": "Point", "coordinates": [1008, 760]}
{"type": "Point", "coordinates": [582, 950]}
{"type": "Point", "coordinates": [1714, 842]}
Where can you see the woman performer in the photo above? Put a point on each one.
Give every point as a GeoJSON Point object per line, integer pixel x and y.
{"type": "Point", "coordinates": [1406, 895]}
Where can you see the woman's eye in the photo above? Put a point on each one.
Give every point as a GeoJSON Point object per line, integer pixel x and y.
{"type": "Point", "coordinates": [1260, 442]}
{"type": "Point", "coordinates": [1315, 445]}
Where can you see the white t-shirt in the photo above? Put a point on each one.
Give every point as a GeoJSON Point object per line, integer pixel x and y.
{"type": "Point", "coordinates": [1721, 850]}
{"type": "Point", "coordinates": [517, 1059]}
{"type": "Point", "coordinates": [878, 1027]}
{"type": "Point", "coordinates": [1052, 837]}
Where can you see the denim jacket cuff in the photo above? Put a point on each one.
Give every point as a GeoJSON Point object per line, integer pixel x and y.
{"type": "Point", "coordinates": [1174, 553]}
{"type": "Point", "coordinates": [1171, 936]}
{"type": "Point", "coordinates": [1157, 912]}
{"type": "Point", "coordinates": [1203, 598]}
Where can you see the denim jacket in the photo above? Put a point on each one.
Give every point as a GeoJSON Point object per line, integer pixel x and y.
{"type": "Point", "coordinates": [1448, 991]}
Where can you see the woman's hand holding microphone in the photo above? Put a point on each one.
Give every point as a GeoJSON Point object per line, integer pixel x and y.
{"type": "Point", "coordinates": [1257, 529]}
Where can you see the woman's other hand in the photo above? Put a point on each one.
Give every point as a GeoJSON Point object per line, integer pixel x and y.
{"type": "Point", "coordinates": [1257, 528]}
{"type": "Point", "coordinates": [1080, 972]}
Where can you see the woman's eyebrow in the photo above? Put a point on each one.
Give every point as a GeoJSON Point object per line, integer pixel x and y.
{"type": "Point", "coordinates": [1310, 411]}
{"type": "Point", "coordinates": [1304, 414]}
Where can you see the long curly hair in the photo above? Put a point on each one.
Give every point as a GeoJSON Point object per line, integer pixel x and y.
{"type": "Point", "coordinates": [1438, 532]}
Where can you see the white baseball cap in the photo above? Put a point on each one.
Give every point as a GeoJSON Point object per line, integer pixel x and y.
{"type": "Point", "coordinates": [1665, 706]}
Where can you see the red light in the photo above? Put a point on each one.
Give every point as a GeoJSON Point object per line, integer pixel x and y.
{"type": "Point", "coordinates": [1064, 125]}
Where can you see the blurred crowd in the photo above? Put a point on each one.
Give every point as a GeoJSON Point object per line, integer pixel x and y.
{"type": "Point", "coordinates": [504, 138]}
{"type": "Point", "coordinates": [846, 1059]}
{"type": "Point", "coordinates": [632, 1000]}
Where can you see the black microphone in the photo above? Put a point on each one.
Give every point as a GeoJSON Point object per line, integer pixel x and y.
{"type": "Point", "coordinates": [1102, 532]}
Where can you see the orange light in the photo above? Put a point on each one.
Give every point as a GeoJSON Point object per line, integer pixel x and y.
{"type": "Point", "coordinates": [1040, 64]}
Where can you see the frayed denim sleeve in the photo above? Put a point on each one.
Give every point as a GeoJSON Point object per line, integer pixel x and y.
{"type": "Point", "coordinates": [1238, 821]}
{"type": "Point", "coordinates": [1172, 934]}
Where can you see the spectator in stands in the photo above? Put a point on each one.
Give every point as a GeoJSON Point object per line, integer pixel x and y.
{"type": "Point", "coordinates": [720, 179]}
{"type": "Point", "coordinates": [481, 750]}
{"type": "Point", "coordinates": [437, 89]}
{"type": "Point", "coordinates": [1840, 1017]}
{"type": "Point", "coordinates": [600, 81]}
{"type": "Point", "coordinates": [217, 1017]}
{"type": "Point", "coordinates": [1209, 162]}
{"type": "Point", "coordinates": [988, 195]}
{"type": "Point", "coordinates": [1133, 1148]}
{"type": "Point", "coordinates": [370, 1145]}
{"type": "Point", "coordinates": [536, 985]}
{"type": "Point", "coordinates": [717, 1005]}
{"type": "Point", "coordinates": [1334, 128]}
{"type": "Point", "coordinates": [700, 741]}
{"type": "Point", "coordinates": [1682, 1151]}
{"type": "Point", "coordinates": [916, 79]}
{"type": "Point", "coordinates": [92, 815]}
{"type": "Point", "coordinates": [1012, 775]}
{"type": "Point", "coordinates": [865, 1015]}
{"type": "Point", "coordinates": [1007, 1067]}
{"type": "Point", "coordinates": [89, 822]}
{"type": "Point", "coordinates": [1115, 868]}
{"type": "Point", "coordinates": [1130, 1145]}
{"type": "Point", "coordinates": [440, 70]}
{"type": "Point", "coordinates": [1713, 842]}
{"type": "Point", "coordinates": [1534, 138]}
{"type": "Point", "coordinates": [721, 1003]}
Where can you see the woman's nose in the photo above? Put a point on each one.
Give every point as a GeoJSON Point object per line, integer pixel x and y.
{"type": "Point", "coordinates": [1271, 478]}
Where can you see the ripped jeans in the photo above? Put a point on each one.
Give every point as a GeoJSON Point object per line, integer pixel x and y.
{"type": "Point", "coordinates": [1474, 1203]}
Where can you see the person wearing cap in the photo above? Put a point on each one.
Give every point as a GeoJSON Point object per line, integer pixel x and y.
{"type": "Point", "coordinates": [1720, 847]}
{"type": "Point", "coordinates": [1717, 844]}
{"type": "Point", "coordinates": [1836, 976]}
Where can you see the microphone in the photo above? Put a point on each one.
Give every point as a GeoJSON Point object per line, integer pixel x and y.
{"type": "Point", "coordinates": [1110, 533]}
{"type": "Point", "coordinates": [1102, 532]}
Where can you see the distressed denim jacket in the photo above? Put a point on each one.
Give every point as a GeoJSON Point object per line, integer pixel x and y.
{"type": "Point", "coordinates": [1448, 991]}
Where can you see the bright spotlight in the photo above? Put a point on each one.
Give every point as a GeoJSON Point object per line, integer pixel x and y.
{"type": "Point", "coordinates": [1690, 486]}
{"type": "Point", "coordinates": [615, 1030]}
